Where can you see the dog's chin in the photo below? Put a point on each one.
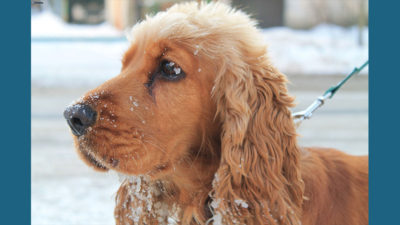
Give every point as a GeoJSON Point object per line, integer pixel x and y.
{"type": "Point", "coordinates": [92, 162]}
{"type": "Point", "coordinates": [90, 155]}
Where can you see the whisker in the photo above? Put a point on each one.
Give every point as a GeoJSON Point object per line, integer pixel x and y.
{"type": "Point", "coordinates": [155, 145]}
{"type": "Point", "coordinates": [141, 118]}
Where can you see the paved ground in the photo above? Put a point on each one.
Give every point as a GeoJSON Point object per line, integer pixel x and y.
{"type": "Point", "coordinates": [67, 192]}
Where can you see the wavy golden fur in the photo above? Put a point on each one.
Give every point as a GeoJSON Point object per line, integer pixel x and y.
{"type": "Point", "coordinates": [219, 145]}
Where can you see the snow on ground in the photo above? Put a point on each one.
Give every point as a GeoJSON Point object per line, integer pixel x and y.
{"type": "Point", "coordinates": [323, 50]}
{"type": "Point", "coordinates": [46, 24]}
{"type": "Point", "coordinates": [75, 63]}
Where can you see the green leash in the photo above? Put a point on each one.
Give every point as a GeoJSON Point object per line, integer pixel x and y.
{"type": "Point", "coordinates": [307, 113]}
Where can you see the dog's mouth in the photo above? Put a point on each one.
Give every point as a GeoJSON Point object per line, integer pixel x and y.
{"type": "Point", "coordinates": [93, 161]}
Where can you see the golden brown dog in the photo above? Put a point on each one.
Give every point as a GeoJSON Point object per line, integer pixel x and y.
{"type": "Point", "coordinates": [199, 121]}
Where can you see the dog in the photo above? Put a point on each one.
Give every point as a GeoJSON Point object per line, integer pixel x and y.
{"type": "Point", "coordinates": [198, 122]}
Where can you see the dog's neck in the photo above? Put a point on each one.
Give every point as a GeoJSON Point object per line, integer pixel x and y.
{"type": "Point", "coordinates": [191, 184]}
{"type": "Point", "coordinates": [182, 194]}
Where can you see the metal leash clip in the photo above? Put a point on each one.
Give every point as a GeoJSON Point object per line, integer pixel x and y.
{"type": "Point", "coordinates": [298, 117]}
{"type": "Point", "coordinates": [307, 113]}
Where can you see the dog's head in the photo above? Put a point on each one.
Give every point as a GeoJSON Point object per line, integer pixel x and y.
{"type": "Point", "coordinates": [158, 108]}
{"type": "Point", "coordinates": [194, 77]}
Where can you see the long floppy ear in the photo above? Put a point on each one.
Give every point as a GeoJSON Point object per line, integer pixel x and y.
{"type": "Point", "coordinates": [258, 181]}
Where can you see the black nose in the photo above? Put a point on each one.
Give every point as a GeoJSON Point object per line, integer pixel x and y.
{"type": "Point", "coordinates": [79, 118]}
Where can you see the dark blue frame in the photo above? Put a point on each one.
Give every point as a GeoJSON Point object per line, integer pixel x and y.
{"type": "Point", "coordinates": [15, 112]}
{"type": "Point", "coordinates": [384, 121]}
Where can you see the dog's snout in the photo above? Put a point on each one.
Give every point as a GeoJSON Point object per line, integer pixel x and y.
{"type": "Point", "coordinates": [79, 118]}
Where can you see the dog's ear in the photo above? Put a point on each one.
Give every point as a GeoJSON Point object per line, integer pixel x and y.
{"type": "Point", "coordinates": [258, 181]}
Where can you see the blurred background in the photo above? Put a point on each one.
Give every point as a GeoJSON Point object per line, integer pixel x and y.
{"type": "Point", "coordinates": [78, 44]}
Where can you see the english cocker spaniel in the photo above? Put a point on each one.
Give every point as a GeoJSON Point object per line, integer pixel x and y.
{"type": "Point", "coordinates": [199, 122]}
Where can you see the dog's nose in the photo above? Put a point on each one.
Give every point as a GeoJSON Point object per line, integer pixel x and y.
{"type": "Point", "coordinates": [79, 118]}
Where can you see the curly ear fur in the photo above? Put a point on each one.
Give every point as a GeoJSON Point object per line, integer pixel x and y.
{"type": "Point", "coordinates": [258, 181]}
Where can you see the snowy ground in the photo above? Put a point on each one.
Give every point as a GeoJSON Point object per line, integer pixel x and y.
{"type": "Point", "coordinates": [66, 192]}
{"type": "Point", "coordinates": [323, 50]}
{"type": "Point", "coordinates": [48, 25]}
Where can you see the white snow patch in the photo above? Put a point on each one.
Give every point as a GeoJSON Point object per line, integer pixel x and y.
{"type": "Point", "coordinates": [324, 50]}
{"type": "Point", "coordinates": [215, 203]}
{"type": "Point", "coordinates": [75, 63]}
{"type": "Point", "coordinates": [197, 50]}
{"type": "Point", "coordinates": [217, 219]}
{"type": "Point", "coordinates": [241, 203]}
{"type": "Point", "coordinates": [215, 180]}
{"type": "Point", "coordinates": [47, 24]}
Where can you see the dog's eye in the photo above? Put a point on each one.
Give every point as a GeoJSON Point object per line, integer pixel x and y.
{"type": "Point", "coordinates": [171, 71]}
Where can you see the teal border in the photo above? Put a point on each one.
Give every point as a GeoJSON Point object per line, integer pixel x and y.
{"type": "Point", "coordinates": [384, 120]}
{"type": "Point", "coordinates": [15, 112]}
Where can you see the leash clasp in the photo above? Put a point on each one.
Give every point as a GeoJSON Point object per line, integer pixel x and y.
{"type": "Point", "coordinates": [307, 113]}
{"type": "Point", "coordinates": [298, 117]}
